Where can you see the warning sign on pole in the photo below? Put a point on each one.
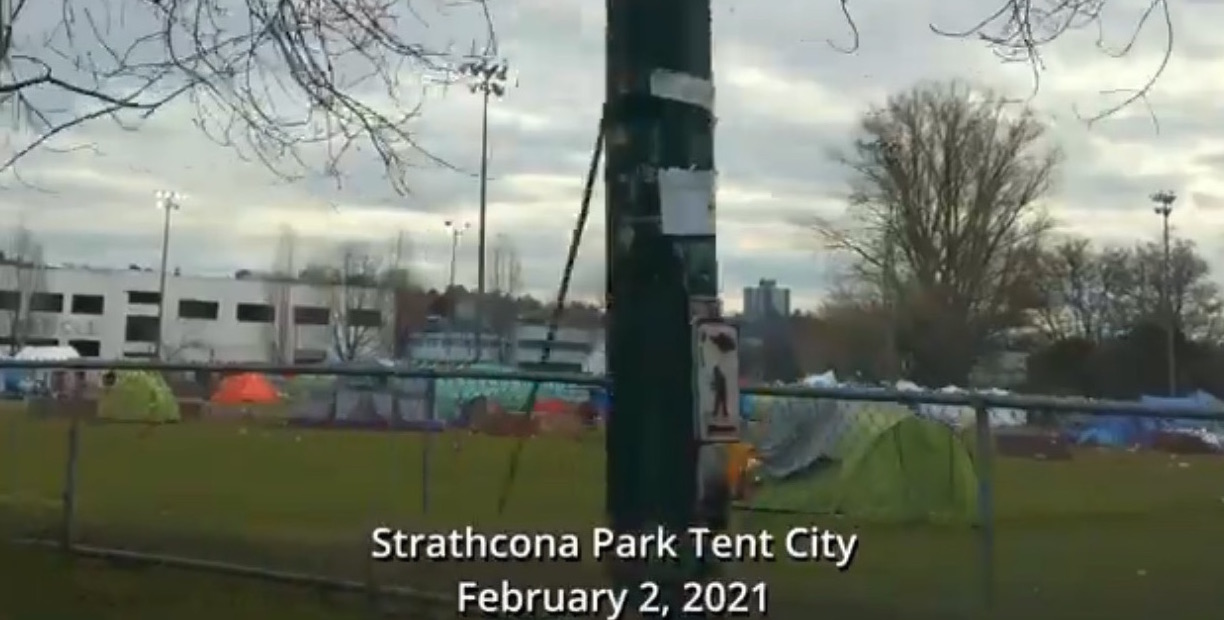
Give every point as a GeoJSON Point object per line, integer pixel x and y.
{"type": "Point", "coordinates": [716, 380]}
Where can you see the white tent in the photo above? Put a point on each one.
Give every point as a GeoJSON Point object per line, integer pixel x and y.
{"type": "Point", "coordinates": [47, 354]}
{"type": "Point", "coordinates": [962, 416]}
{"type": "Point", "coordinates": [596, 363]}
{"type": "Point", "coordinates": [40, 380]}
{"type": "Point", "coordinates": [824, 379]}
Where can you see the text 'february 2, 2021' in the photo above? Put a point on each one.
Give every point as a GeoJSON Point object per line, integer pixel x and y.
{"type": "Point", "coordinates": [647, 598]}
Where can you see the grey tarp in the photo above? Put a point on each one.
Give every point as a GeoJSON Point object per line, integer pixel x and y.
{"type": "Point", "coordinates": [359, 400]}
{"type": "Point", "coordinates": [793, 434]}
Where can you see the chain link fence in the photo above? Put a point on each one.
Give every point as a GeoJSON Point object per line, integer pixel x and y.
{"type": "Point", "coordinates": [961, 502]}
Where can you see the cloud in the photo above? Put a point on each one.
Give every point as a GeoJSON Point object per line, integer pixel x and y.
{"type": "Point", "coordinates": [787, 100]}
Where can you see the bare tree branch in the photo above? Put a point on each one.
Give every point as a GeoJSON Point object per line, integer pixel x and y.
{"type": "Point", "coordinates": [1018, 31]}
{"type": "Point", "coordinates": [854, 31]}
{"type": "Point", "coordinates": [293, 84]}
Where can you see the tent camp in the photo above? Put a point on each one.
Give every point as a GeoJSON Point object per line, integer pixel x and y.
{"type": "Point", "coordinates": [138, 396]}
{"type": "Point", "coordinates": [1133, 431]}
{"type": "Point", "coordinates": [552, 416]}
{"type": "Point", "coordinates": [47, 354]}
{"type": "Point", "coordinates": [877, 462]}
{"type": "Point", "coordinates": [26, 381]}
{"type": "Point", "coordinates": [962, 416]}
{"type": "Point", "coordinates": [957, 416]}
{"type": "Point", "coordinates": [510, 394]}
{"type": "Point", "coordinates": [792, 435]}
{"type": "Point", "coordinates": [248, 388]}
{"type": "Point", "coordinates": [11, 379]}
{"type": "Point", "coordinates": [359, 402]}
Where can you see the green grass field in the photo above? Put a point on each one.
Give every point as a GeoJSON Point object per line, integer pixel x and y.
{"type": "Point", "coordinates": [1121, 534]}
{"type": "Point", "coordinates": [38, 585]}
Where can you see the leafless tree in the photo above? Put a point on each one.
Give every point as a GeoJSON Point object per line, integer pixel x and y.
{"type": "Point", "coordinates": [280, 284]}
{"type": "Point", "coordinates": [1196, 298]}
{"type": "Point", "coordinates": [361, 281]}
{"type": "Point", "coordinates": [506, 282]}
{"type": "Point", "coordinates": [1098, 293]}
{"type": "Point", "coordinates": [278, 81]}
{"type": "Point", "coordinates": [399, 280]}
{"type": "Point", "coordinates": [506, 269]}
{"type": "Point", "coordinates": [856, 342]}
{"type": "Point", "coordinates": [356, 298]}
{"type": "Point", "coordinates": [1075, 291]}
{"type": "Point", "coordinates": [25, 274]}
{"type": "Point", "coordinates": [943, 225]}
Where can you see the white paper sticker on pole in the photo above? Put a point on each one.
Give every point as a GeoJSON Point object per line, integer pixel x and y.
{"type": "Point", "coordinates": [686, 202]}
{"type": "Point", "coordinates": [716, 381]}
{"type": "Point", "coordinates": [682, 87]}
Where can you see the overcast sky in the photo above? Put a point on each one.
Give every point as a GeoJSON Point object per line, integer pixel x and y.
{"type": "Point", "coordinates": [784, 99]}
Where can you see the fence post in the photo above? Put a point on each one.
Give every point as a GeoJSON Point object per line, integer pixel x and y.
{"type": "Point", "coordinates": [12, 445]}
{"type": "Point", "coordinates": [431, 416]}
{"type": "Point", "coordinates": [983, 463]}
{"type": "Point", "coordinates": [68, 532]}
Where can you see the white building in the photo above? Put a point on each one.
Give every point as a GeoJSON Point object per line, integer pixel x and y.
{"type": "Point", "coordinates": [440, 342]}
{"type": "Point", "coordinates": [112, 314]}
{"type": "Point", "coordinates": [570, 350]}
{"type": "Point", "coordinates": [766, 298]}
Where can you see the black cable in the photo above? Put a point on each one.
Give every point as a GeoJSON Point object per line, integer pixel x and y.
{"type": "Point", "coordinates": [555, 320]}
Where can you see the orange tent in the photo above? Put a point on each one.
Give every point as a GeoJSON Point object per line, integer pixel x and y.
{"type": "Point", "coordinates": [553, 406]}
{"type": "Point", "coordinates": [739, 455]}
{"type": "Point", "coordinates": [246, 388]}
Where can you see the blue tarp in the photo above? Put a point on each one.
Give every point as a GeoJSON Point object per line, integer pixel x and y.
{"type": "Point", "coordinates": [1198, 401]}
{"type": "Point", "coordinates": [1117, 431]}
{"type": "Point", "coordinates": [1126, 431]}
{"type": "Point", "coordinates": [14, 381]}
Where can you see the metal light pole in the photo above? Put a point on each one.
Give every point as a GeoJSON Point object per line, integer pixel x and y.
{"type": "Point", "coordinates": [168, 202]}
{"type": "Point", "coordinates": [1164, 201]}
{"type": "Point", "coordinates": [456, 231]}
{"type": "Point", "coordinates": [487, 77]}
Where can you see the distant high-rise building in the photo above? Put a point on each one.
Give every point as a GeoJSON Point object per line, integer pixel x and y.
{"type": "Point", "coordinates": [764, 299]}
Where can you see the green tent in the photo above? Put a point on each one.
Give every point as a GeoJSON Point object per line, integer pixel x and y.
{"type": "Point", "coordinates": [450, 393]}
{"type": "Point", "coordinates": [511, 394]}
{"type": "Point", "coordinates": [139, 396]}
{"type": "Point", "coordinates": [908, 470]}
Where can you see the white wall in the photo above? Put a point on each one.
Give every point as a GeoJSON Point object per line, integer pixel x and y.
{"type": "Point", "coordinates": [571, 347]}
{"type": "Point", "coordinates": [453, 347]}
{"type": "Point", "coordinates": [224, 339]}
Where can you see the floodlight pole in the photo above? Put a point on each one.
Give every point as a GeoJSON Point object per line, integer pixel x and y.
{"type": "Point", "coordinates": [659, 123]}
{"type": "Point", "coordinates": [167, 202]}
{"type": "Point", "coordinates": [456, 230]}
{"type": "Point", "coordinates": [1164, 201]}
{"type": "Point", "coordinates": [489, 79]}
